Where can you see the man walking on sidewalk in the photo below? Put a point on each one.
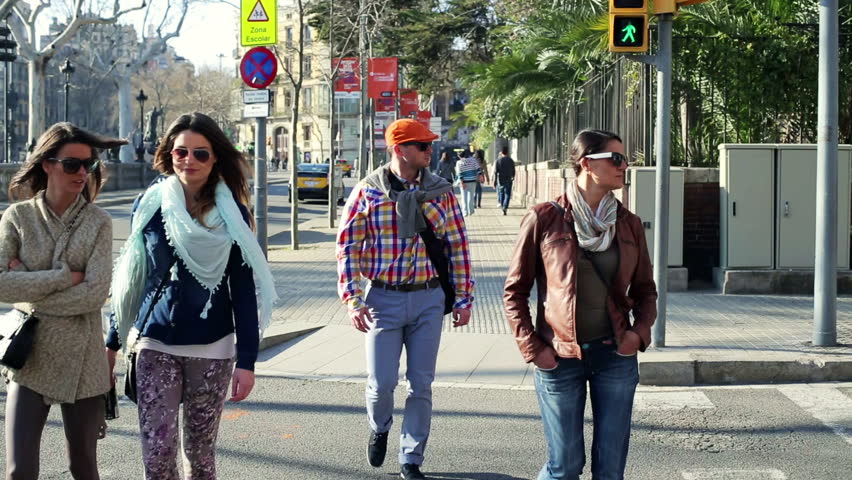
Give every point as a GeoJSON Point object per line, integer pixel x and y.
{"type": "Point", "coordinates": [504, 176]}
{"type": "Point", "coordinates": [467, 173]}
{"type": "Point", "coordinates": [381, 239]}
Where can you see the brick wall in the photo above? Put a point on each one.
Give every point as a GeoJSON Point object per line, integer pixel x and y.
{"type": "Point", "coordinates": [701, 229]}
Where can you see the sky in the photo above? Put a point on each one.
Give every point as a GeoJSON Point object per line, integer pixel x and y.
{"type": "Point", "coordinates": [209, 29]}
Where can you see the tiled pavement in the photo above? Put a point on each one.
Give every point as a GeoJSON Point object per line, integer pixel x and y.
{"type": "Point", "coordinates": [698, 320]}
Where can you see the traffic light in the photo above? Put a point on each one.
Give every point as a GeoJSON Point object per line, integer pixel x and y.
{"type": "Point", "coordinates": [7, 46]}
{"type": "Point", "coordinates": [628, 26]}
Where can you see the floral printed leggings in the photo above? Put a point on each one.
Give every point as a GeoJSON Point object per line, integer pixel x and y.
{"type": "Point", "coordinates": [164, 381]}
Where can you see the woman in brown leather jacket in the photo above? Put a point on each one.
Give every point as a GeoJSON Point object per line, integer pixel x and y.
{"type": "Point", "coordinates": [588, 257]}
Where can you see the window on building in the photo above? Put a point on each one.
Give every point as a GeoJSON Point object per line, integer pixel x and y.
{"type": "Point", "coordinates": [307, 35]}
{"type": "Point", "coordinates": [288, 99]}
{"type": "Point", "coordinates": [288, 64]}
{"type": "Point", "coordinates": [307, 67]}
{"type": "Point", "coordinates": [307, 101]}
{"type": "Point", "coordinates": [306, 134]}
{"type": "Point", "coordinates": [289, 35]}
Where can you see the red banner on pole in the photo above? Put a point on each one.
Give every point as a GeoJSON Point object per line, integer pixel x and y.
{"type": "Point", "coordinates": [383, 80]}
{"type": "Point", "coordinates": [424, 116]}
{"type": "Point", "coordinates": [408, 103]}
{"type": "Point", "coordinates": [348, 80]}
{"type": "Point", "coordinates": [386, 105]}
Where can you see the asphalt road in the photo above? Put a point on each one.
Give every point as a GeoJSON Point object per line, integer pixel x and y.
{"type": "Point", "coordinates": [299, 429]}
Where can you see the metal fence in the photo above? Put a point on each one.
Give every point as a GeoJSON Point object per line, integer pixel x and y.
{"type": "Point", "coordinates": [618, 97]}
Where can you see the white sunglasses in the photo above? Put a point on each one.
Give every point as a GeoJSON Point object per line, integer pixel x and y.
{"type": "Point", "coordinates": [617, 158]}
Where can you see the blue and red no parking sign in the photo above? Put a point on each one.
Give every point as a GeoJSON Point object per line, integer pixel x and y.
{"type": "Point", "coordinates": [259, 67]}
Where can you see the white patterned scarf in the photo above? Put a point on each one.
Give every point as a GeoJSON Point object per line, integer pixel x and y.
{"type": "Point", "coordinates": [595, 231]}
{"type": "Point", "coordinates": [206, 260]}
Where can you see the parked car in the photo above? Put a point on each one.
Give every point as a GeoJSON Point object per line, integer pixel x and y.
{"type": "Point", "coordinates": [312, 181]}
{"type": "Point", "coordinates": [345, 166]}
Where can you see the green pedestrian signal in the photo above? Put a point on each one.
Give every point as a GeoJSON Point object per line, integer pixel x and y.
{"type": "Point", "coordinates": [628, 33]}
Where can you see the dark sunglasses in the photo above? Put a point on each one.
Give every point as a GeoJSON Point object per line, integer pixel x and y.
{"type": "Point", "coordinates": [616, 158]}
{"type": "Point", "coordinates": [422, 146]}
{"type": "Point", "coordinates": [199, 154]}
{"type": "Point", "coordinates": [72, 165]}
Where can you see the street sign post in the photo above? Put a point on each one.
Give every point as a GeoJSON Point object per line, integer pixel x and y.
{"type": "Point", "coordinates": [258, 67]}
{"type": "Point", "coordinates": [258, 22]}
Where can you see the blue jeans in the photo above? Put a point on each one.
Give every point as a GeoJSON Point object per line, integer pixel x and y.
{"type": "Point", "coordinates": [612, 381]}
{"type": "Point", "coordinates": [504, 194]}
{"type": "Point", "coordinates": [412, 320]}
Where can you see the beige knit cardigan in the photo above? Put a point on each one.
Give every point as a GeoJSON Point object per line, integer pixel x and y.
{"type": "Point", "coordinates": [68, 361]}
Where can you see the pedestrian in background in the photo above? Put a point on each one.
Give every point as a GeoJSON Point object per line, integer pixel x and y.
{"type": "Point", "coordinates": [56, 262]}
{"type": "Point", "coordinates": [186, 299]}
{"type": "Point", "coordinates": [482, 179]}
{"type": "Point", "coordinates": [588, 257]}
{"type": "Point", "coordinates": [467, 176]}
{"type": "Point", "coordinates": [446, 167]}
{"type": "Point", "coordinates": [381, 240]}
{"type": "Point", "coordinates": [504, 177]}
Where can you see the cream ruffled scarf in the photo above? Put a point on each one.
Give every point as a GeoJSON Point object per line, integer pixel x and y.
{"type": "Point", "coordinates": [203, 251]}
{"type": "Point", "coordinates": [595, 230]}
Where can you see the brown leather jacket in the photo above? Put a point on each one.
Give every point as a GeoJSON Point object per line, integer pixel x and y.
{"type": "Point", "coordinates": [546, 253]}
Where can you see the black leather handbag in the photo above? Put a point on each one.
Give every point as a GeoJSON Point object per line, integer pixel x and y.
{"type": "Point", "coordinates": [130, 359]}
{"type": "Point", "coordinates": [17, 332]}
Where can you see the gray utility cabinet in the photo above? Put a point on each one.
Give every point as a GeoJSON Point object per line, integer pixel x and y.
{"type": "Point", "coordinates": [768, 206]}
{"type": "Point", "coordinates": [643, 191]}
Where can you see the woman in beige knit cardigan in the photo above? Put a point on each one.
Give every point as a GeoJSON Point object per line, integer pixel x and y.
{"type": "Point", "coordinates": [56, 262]}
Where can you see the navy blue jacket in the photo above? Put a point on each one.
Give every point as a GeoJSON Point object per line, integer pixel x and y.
{"type": "Point", "coordinates": [176, 317]}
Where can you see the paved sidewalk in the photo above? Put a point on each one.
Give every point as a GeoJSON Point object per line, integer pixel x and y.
{"type": "Point", "coordinates": [711, 338]}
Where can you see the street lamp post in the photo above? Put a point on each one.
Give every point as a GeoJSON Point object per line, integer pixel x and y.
{"type": "Point", "coordinates": [140, 150]}
{"type": "Point", "coordinates": [68, 69]}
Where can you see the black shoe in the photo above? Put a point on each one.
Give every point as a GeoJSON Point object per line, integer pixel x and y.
{"type": "Point", "coordinates": [504, 211]}
{"type": "Point", "coordinates": [411, 471]}
{"type": "Point", "coordinates": [377, 447]}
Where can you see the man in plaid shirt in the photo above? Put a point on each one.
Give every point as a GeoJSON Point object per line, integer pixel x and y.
{"type": "Point", "coordinates": [380, 241]}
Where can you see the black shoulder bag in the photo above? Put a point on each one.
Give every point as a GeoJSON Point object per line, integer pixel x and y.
{"type": "Point", "coordinates": [130, 376]}
{"type": "Point", "coordinates": [435, 250]}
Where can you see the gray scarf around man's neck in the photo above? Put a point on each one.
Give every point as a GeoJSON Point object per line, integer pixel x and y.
{"type": "Point", "coordinates": [409, 215]}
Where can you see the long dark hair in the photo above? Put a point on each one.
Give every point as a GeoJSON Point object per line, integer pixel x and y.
{"type": "Point", "coordinates": [230, 166]}
{"type": "Point", "coordinates": [31, 177]}
{"type": "Point", "coordinates": [588, 142]}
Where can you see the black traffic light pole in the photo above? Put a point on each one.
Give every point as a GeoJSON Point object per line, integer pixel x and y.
{"type": "Point", "coordinates": [7, 55]}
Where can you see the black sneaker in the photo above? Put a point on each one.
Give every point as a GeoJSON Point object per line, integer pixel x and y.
{"type": "Point", "coordinates": [411, 471]}
{"type": "Point", "coordinates": [377, 447]}
{"type": "Point", "coordinates": [504, 211]}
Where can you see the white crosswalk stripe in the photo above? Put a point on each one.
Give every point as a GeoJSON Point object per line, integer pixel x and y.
{"type": "Point", "coordinates": [828, 405]}
{"type": "Point", "coordinates": [729, 474]}
{"type": "Point", "coordinates": [676, 400]}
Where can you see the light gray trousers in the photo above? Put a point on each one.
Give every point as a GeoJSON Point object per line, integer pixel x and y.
{"type": "Point", "coordinates": [26, 415]}
{"type": "Point", "coordinates": [412, 320]}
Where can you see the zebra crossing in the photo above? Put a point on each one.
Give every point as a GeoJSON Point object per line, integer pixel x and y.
{"type": "Point", "coordinates": [746, 427]}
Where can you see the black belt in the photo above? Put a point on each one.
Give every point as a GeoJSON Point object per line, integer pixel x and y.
{"type": "Point", "coordinates": [469, 181]}
{"type": "Point", "coordinates": [407, 287]}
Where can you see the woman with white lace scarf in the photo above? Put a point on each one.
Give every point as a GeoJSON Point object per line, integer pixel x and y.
{"type": "Point", "coordinates": [185, 297]}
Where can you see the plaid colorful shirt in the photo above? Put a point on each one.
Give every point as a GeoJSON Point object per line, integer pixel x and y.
{"type": "Point", "coordinates": [369, 246]}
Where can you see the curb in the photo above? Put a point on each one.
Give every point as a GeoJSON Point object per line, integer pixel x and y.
{"type": "Point", "coordinates": [277, 334]}
{"type": "Point", "coordinates": [733, 368]}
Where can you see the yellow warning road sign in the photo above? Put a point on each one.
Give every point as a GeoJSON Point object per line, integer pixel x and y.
{"type": "Point", "coordinates": [258, 22]}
